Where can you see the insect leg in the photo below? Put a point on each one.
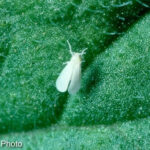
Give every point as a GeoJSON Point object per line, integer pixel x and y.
{"type": "Point", "coordinates": [65, 63]}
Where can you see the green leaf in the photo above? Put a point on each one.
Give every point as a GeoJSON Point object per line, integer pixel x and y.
{"type": "Point", "coordinates": [116, 85]}
{"type": "Point", "coordinates": [34, 45]}
{"type": "Point", "coordinates": [122, 136]}
{"type": "Point", "coordinates": [111, 110]}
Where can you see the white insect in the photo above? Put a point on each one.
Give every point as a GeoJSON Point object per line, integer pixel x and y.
{"type": "Point", "coordinates": [70, 76]}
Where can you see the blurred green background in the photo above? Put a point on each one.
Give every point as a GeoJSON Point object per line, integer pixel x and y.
{"type": "Point", "coordinates": [111, 110]}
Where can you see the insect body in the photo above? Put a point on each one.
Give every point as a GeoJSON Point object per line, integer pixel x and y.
{"type": "Point", "coordinates": [70, 76]}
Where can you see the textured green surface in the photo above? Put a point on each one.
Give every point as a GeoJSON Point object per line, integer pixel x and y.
{"type": "Point", "coordinates": [120, 79]}
{"type": "Point", "coordinates": [112, 107]}
{"type": "Point", "coordinates": [121, 136]}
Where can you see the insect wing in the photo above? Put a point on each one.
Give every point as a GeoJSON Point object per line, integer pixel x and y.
{"type": "Point", "coordinates": [64, 78]}
{"type": "Point", "coordinates": [75, 79]}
